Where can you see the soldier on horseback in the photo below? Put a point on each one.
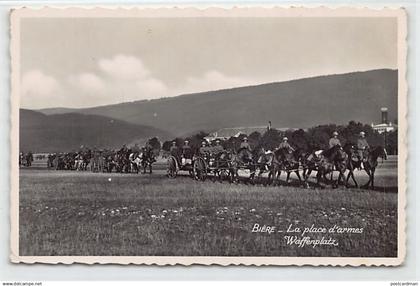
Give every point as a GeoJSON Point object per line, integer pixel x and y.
{"type": "Point", "coordinates": [334, 140]}
{"type": "Point", "coordinates": [285, 145]}
{"type": "Point", "coordinates": [245, 151]}
{"type": "Point", "coordinates": [245, 144]}
{"type": "Point", "coordinates": [362, 146]}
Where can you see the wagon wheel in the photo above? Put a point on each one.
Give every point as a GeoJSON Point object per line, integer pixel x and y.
{"type": "Point", "coordinates": [172, 170]}
{"type": "Point", "coordinates": [200, 169]}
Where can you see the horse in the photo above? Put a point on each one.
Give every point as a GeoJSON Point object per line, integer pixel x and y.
{"type": "Point", "coordinates": [242, 159]}
{"type": "Point", "coordinates": [223, 165]}
{"type": "Point", "coordinates": [27, 159]}
{"type": "Point", "coordinates": [353, 161]}
{"type": "Point", "coordinates": [332, 159]}
{"type": "Point", "coordinates": [264, 163]}
{"type": "Point", "coordinates": [122, 161]}
{"type": "Point", "coordinates": [135, 162]}
{"type": "Point", "coordinates": [109, 162]}
{"type": "Point", "coordinates": [147, 159]}
{"type": "Point", "coordinates": [369, 165]}
{"type": "Point", "coordinates": [78, 161]}
{"type": "Point", "coordinates": [287, 161]}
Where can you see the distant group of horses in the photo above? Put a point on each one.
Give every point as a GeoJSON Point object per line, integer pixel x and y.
{"type": "Point", "coordinates": [228, 163]}
{"type": "Point", "coordinates": [343, 160]}
{"type": "Point", "coordinates": [120, 161]}
{"type": "Point", "coordinates": [26, 159]}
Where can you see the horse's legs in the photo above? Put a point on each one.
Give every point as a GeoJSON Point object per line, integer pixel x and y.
{"type": "Point", "coordinates": [337, 182]}
{"type": "Point", "coordinates": [287, 177]}
{"type": "Point", "coordinates": [235, 175]}
{"type": "Point", "coordinates": [259, 178]}
{"type": "Point", "coordinates": [319, 176]}
{"type": "Point", "coordinates": [306, 175]}
{"type": "Point", "coordinates": [278, 177]}
{"type": "Point", "coordinates": [341, 175]}
{"type": "Point", "coordinates": [298, 175]}
{"type": "Point", "coordinates": [370, 177]}
{"type": "Point", "coordinates": [351, 175]}
{"type": "Point", "coordinates": [373, 178]}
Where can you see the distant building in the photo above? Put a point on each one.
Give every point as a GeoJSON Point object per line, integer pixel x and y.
{"type": "Point", "coordinates": [385, 125]}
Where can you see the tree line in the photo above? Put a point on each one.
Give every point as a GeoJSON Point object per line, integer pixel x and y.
{"type": "Point", "coordinates": [315, 138]}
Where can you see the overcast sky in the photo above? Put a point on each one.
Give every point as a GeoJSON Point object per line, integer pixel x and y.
{"type": "Point", "coordinates": [88, 62]}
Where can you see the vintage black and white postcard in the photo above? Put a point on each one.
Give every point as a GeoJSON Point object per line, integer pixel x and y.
{"type": "Point", "coordinates": [188, 135]}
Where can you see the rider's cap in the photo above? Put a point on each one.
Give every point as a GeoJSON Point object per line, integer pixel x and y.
{"type": "Point", "coordinates": [285, 138]}
{"type": "Point", "coordinates": [362, 133]}
{"type": "Point", "coordinates": [173, 142]}
{"type": "Point", "coordinates": [245, 138]}
{"type": "Point", "coordinates": [335, 133]}
{"type": "Point", "coordinates": [186, 141]}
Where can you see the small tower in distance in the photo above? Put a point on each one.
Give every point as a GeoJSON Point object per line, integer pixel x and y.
{"type": "Point", "coordinates": [384, 114]}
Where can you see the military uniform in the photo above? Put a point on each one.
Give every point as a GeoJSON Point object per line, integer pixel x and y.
{"type": "Point", "coordinates": [186, 152]}
{"type": "Point", "coordinates": [286, 145]}
{"type": "Point", "coordinates": [362, 145]}
{"type": "Point", "coordinates": [203, 150]}
{"type": "Point", "coordinates": [245, 145]}
{"type": "Point", "coordinates": [173, 150]}
{"type": "Point", "coordinates": [218, 148]}
{"type": "Point", "coordinates": [334, 141]}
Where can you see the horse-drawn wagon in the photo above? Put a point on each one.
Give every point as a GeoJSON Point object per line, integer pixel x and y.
{"type": "Point", "coordinates": [177, 164]}
{"type": "Point", "coordinates": [218, 165]}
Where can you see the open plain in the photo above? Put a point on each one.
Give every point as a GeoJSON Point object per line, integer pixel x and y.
{"type": "Point", "coordinates": [91, 214]}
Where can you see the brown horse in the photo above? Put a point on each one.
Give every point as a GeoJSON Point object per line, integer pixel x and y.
{"type": "Point", "coordinates": [147, 159]}
{"type": "Point", "coordinates": [243, 159]}
{"type": "Point", "coordinates": [369, 165]}
{"type": "Point", "coordinates": [287, 161]}
{"type": "Point", "coordinates": [353, 162]}
{"type": "Point", "coordinates": [332, 159]}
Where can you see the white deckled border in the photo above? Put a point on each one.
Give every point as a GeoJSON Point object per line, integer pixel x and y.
{"type": "Point", "coordinates": [248, 11]}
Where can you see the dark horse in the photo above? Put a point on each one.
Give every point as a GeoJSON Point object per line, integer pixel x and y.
{"type": "Point", "coordinates": [263, 161]}
{"type": "Point", "coordinates": [353, 161]}
{"type": "Point", "coordinates": [287, 161]}
{"type": "Point", "coordinates": [243, 159]}
{"type": "Point", "coordinates": [147, 159]}
{"type": "Point", "coordinates": [369, 165]}
{"type": "Point", "coordinates": [332, 159]}
{"type": "Point", "coordinates": [223, 166]}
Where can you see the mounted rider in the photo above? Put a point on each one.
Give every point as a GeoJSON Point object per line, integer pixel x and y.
{"type": "Point", "coordinates": [285, 145]}
{"type": "Point", "coordinates": [245, 144]}
{"type": "Point", "coordinates": [247, 156]}
{"type": "Point", "coordinates": [362, 146]}
{"type": "Point", "coordinates": [334, 141]}
{"type": "Point", "coordinates": [149, 150]}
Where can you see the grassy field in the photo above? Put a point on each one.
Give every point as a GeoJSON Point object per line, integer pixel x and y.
{"type": "Point", "coordinates": [81, 213]}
